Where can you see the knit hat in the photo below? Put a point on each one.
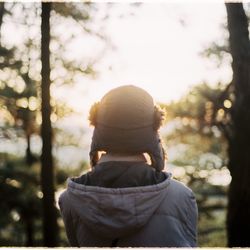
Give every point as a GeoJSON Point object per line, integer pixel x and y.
{"type": "Point", "coordinates": [127, 121]}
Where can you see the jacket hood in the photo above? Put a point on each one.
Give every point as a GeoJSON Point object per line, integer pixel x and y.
{"type": "Point", "coordinates": [115, 212]}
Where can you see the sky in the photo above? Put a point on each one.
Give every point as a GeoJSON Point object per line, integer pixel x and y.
{"type": "Point", "coordinates": [158, 48]}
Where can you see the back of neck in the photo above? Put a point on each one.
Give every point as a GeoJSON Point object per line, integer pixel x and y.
{"type": "Point", "coordinates": [119, 157]}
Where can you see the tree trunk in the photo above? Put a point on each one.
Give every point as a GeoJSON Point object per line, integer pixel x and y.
{"type": "Point", "coordinates": [1, 19]}
{"type": "Point", "coordinates": [29, 232]}
{"type": "Point", "coordinates": [50, 227]}
{"type": "Point", "coordinates": [29, 156]}
{"type": "Point", "coordinates": [238, 217]}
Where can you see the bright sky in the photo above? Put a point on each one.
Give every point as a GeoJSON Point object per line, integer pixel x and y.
{"type": "Point", "coordinates": [157, 49]}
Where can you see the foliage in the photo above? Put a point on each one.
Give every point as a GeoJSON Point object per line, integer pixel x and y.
{"type": "Point", "coordinates": [194, 136]}
{"type": "Point", "coordinates": [22, 208]}
{"type": "Point", "coordinates": [212, 231]}
{"type": "Point", "coordinates": [21, 195]}
{"type": "Point", "coordinates": [20, 99]}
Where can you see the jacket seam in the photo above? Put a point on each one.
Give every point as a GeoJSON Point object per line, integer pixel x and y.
{"type": "Point", "coordinates": [117, 191]}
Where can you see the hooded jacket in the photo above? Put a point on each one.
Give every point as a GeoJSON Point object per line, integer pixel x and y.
{"type": "Point", "coordinates": [128, 204]}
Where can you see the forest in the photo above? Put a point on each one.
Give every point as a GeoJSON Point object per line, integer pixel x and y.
{"type": "Point", "coordinates": [57, 58]}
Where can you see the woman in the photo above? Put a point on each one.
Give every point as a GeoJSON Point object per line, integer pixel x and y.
{"type": "Point", "coordinates": [126, 201]}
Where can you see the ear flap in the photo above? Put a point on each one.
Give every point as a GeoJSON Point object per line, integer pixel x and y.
{"type": "Point", "coordinates": [93, 113]}
{"type": "Point", "coordinates": [94, 157]}
{"type": "Point", "coordinates": [158, 157]}
{"type": "Point", "coordinates": [159, 117]}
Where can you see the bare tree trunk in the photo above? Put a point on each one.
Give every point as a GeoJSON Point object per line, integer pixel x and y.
{"type": "Point", "coordinates": [1, 19]}
{"type": "Point", "coordinates": [238, 217]}
{"type": "Point", "coordinates": [29, 156]}
{"type": "Point", "coordinates": [29, 232]}
{"type": "Point", "coordinates": [50, 227]}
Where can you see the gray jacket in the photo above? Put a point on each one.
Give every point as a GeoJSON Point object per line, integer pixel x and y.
{"type": "Point", "coordinates": [97, 213]}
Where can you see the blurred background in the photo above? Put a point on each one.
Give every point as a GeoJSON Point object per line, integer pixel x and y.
{"type": "Point", "coordinates": [57, 59]}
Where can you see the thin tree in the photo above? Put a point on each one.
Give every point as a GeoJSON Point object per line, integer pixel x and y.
{"type": "Point", "coordinates": [238, 217]}
{"type": "Point", "coordinates": [50, 227]}
{"type": "Point", "coordinates": [1, 17]}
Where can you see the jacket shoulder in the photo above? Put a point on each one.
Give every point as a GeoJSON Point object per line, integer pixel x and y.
{"type": "Point", "coordinates": [63, 201]}
{"type": "Point", "coordinates": [179, 202]}
{"type": "Point", "coordinates": [180, 189]}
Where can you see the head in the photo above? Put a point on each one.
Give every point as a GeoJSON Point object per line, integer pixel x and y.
{"type": "Point", "coordinates": [126, 121]}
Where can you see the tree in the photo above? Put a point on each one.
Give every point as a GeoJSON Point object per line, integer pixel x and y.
{"type": "Point", "coordinates": [19, 189]}
{"type": "Point", "coordinates": [198, 148]}
{"type": "Point", "coordinates": [20, 102]}
{"type": "Point", "coordinates": [238, 218]}
{"type": "Point", "coordinates": [50, 227]}
{"type": "Point", "coordinates": [1, 17]}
